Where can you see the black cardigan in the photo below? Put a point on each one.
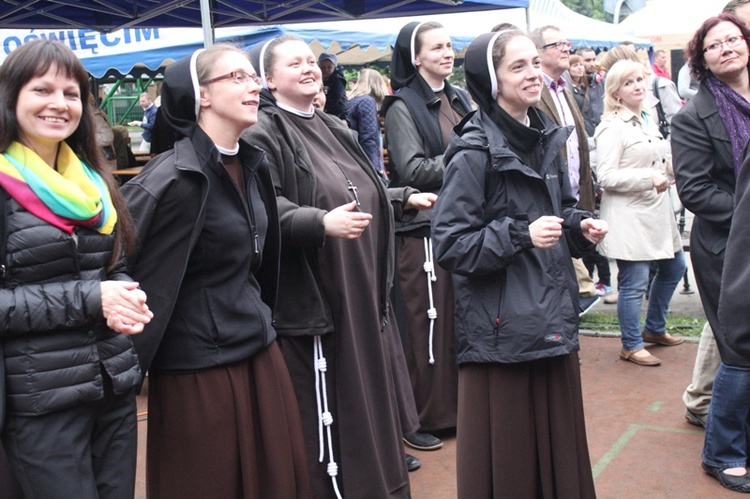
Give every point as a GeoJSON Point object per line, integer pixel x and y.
{"type": "Point", "coordinates": [169, 197]}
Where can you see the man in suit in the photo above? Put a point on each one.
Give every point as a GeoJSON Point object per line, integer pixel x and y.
{"type": "Point", "coordinates": [559, 104]}
{"type": "Point", "coordinates": [149, 118]}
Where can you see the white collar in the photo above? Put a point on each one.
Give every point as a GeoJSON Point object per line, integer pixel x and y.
{"type": "Point", "coordinates": [296, 111]}
{"type": "Point", "coordinates": [229, 152]}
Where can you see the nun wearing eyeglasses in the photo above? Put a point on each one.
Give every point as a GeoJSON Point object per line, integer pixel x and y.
{"type": "Point", "coordinates": [505, 226]}
{"type": "Point", "coordinates": [223, 417]}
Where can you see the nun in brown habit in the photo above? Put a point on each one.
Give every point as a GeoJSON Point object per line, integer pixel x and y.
{"type": "Point", "coordinates": [333, 313]}
{"type": "Point", "coordinates": [506, 226]}
{"type": "Point", "coordinates": [419, 118]}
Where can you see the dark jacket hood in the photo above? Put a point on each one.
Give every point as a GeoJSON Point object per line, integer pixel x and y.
{"type": "Point", "coordinates": [479, 131]}
{"type": "Point", "coordinates": [180, 95]}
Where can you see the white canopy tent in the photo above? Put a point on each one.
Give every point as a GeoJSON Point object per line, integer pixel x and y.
{"type": "Point", "coordinates": [670, 24]}
{"type": "Point", "coordinates": [580, 30]}
{"type": "Point", "coordinates": [583, 31]}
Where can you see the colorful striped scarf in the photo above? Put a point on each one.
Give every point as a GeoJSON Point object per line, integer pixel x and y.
{"type": "Point", "coordinates": [73, 195]}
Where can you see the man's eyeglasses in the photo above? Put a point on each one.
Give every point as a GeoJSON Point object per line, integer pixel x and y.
{"type": "Point", "coordinates": [558, 45]}
{"type": "Point", "coordinates": [731, 42]}
{"type": "Point", "coordinates": [239, 77]}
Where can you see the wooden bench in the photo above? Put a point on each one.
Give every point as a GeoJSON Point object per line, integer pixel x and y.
{"type": "Point", "coordinates": [125, 174]}
{"type": "Point", "coordinates": [142, 159]}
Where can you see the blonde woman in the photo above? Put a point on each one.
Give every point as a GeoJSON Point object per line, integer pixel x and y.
{"type": "Point", "coordinates": [364, 101]}
{"type": "Point", "coordinates": [632, 167]}
{"type": "Point", "coordinates": [667, 91]}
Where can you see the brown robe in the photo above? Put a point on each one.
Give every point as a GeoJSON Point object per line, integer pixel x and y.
{"type": "Point", "coordinates": [435, 385]}
{"type": "Point", "coordinates": [521, 431]}
{"type": "Point", "coordinates": [243, 422]}
{"type": "Point", "coordinates": [360, 381]}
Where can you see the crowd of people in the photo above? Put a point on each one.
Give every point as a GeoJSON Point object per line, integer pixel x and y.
{"type": "Point", "coordinates": [304, 312]}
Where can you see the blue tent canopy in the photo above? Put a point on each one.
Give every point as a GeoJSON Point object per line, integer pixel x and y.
{"type": "Point", "coordinates": [111, 15]}
{"type": "Point", "coordinates": [116, 54]}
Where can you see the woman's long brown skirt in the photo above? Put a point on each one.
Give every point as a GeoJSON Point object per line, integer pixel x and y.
{"type": "Point", "coordinates": [521, 431]}
{"type": "Point", "coordinates": [229, 432]}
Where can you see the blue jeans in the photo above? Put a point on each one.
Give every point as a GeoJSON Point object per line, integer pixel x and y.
{"type": "Point", "coordinates": [728, 425]}
{"type": "Point", "coordinates": [632, 282]}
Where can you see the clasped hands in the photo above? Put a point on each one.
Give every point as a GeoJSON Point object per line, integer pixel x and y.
{"type": "Point", "coordinates": [124, 306]}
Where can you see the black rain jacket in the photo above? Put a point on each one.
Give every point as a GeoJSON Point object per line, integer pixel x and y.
{"type": "Point", "coordinates": [514, 302]}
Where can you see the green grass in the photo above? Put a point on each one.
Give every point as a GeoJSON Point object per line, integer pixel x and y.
{"type": "Point", "coordinates": [681, 325]}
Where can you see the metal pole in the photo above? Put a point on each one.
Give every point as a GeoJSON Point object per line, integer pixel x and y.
{"type": "Point", "coordinates": [616, 14]}
{"type": "Point", "coordinates": [528, 20]}
{"type": "Point", "coordinates": [110, 94]}
{"type": "Point", "coordinates": [207, 23]}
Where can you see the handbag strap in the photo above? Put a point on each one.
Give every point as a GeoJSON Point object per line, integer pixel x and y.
{"type": "Point", "coordinates": [659, 109]}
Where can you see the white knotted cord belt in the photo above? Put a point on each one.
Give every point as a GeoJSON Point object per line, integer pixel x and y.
{"type": "Point", "coordinates": [429, 268]}
{"type": "Point", "coordinates": [325, 419]}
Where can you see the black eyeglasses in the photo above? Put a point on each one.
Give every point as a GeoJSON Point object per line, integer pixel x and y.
{"type": "Point", "coordinates": [559, 45]}
{"type": "Point", "coordinates": [239, 77]}
{"type": "Point", "coordinates": [731, 42]}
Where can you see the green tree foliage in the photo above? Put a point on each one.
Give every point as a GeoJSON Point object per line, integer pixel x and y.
{"type": "Point", "coordinates": [590, 8]}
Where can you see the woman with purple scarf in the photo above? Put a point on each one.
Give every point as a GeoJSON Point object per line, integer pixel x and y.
{"type": "Point", "coordinates": [708, 138]}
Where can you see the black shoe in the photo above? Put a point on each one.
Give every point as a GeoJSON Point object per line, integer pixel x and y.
{"type": "Point", "coordinates": [422, 441]}
{"type": "Point", "coordinates": [696, 419]}
{"type": "Point", "coordinates": [734, 483]}
{"type": "Point", "coordinates": [412, 463]}
{"type": "Point", "coordinates": [586, 303]}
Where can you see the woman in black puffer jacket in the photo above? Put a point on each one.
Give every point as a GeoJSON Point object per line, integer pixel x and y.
{"type": "Point", "coordinates": [67, 304]}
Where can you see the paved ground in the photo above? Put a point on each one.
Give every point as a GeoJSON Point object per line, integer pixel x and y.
{"type": "Point", "coordinates": [640, 444]}
{"type": "Point", "coordinates": [639, 441]}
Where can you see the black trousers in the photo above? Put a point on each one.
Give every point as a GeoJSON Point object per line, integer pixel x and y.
{"type": "Point", "coordinates": [9, 487]}
{"type": "Point", "coordinates": [87, 451]}
{"type": "Point", "coordinates": [595, 260]}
